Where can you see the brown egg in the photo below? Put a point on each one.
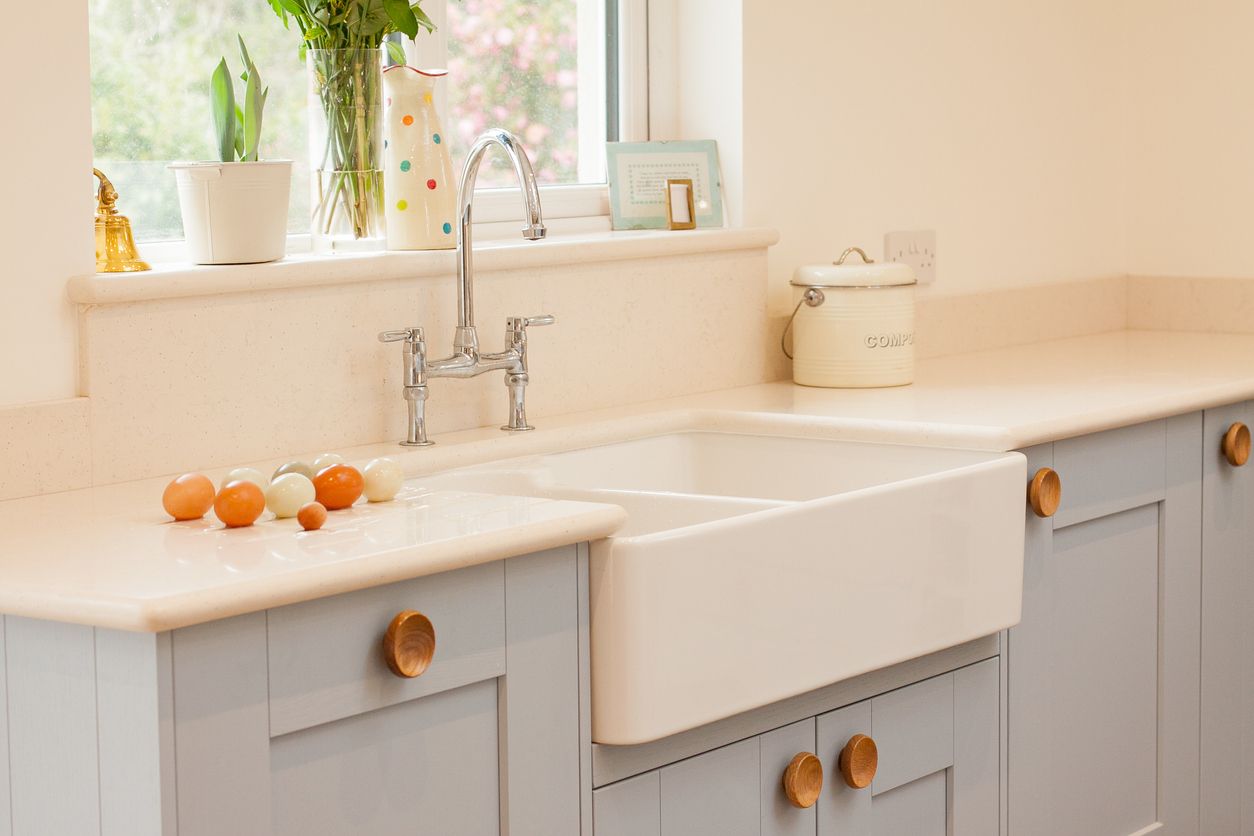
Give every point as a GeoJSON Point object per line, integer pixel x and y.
{"type": "Point", "coordinates": [239, 503]}
{"type": "Point", "coordinates": [311, 516]}
{"type": "Point", "coordinates": [338, 486]}
{"type": "Point", "coordinates": [294, 467]}
{"type": "Point", "coordinates": [189, 497]}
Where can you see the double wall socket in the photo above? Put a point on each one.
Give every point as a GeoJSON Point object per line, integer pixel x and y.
{"type": "Point", "coordinates": [916, 248]}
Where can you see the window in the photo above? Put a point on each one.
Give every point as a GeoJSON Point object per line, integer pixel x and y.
{"type": "Point", "coordinates": [537, 68]}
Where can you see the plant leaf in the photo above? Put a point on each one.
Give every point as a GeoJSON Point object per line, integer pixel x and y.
{"type": "Point", "coordinates": [246, 58]}
{"type": "Point", "coordinates": [397, 52]}
{"type": "Point", "coordinates": [222, 91]}
{"type": "Point", "coordinates": [254, 103]}
{"type": "Point", "coordinates": [423, 21]}
{"type": "Point", "coordinates": [402, 16]}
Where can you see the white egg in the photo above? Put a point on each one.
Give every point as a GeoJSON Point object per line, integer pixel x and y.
{"type": "Point", "coordinates": [383, 478]}
{"type": "Point", "coordinates": [326, 460]}
{"type": "Point", "coordinates": [245, 474]}
{"type": "Point", "coordinates": [288, 493]}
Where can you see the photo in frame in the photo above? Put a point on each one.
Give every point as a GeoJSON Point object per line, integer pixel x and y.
{"type": "Point", "coordinates": [638, 172]}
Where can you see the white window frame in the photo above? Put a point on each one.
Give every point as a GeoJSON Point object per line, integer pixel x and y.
{"type": "Point", "coordinates": [589, 199]}
{"type": "Point", "coordinates": [583, 206]}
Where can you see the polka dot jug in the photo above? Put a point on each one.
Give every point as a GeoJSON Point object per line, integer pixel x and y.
{"type": "Point", "coordinates": [418, 185]}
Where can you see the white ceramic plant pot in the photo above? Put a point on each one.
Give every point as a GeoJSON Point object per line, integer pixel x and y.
{"type": "Point", "coordinates": [234, 213]}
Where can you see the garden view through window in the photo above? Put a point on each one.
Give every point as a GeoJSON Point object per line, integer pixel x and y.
{"type": "Point", "coordinates": [511, 65]}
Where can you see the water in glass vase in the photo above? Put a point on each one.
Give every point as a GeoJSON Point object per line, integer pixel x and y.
{"type": "Point", "coordinates": [346, 149]}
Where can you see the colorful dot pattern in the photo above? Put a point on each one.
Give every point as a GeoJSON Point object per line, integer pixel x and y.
{"type": "Point", "coordinates": [407, 165]}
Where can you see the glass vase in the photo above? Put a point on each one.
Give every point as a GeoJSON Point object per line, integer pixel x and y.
{"type": "Point", "coordinates": [346, 149]}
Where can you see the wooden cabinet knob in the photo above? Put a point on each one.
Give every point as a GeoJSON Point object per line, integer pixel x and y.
{"type": "Point", "coordinates": [803, 780]}
{"type": "Point", "coordinates": [409, 644]}
{"type": "Point", "coordinates": [1236, 444]}
{"type": "Point", "coordinates": [1045, 492]}
{"type": "Point", "coordinates": [858, 761]}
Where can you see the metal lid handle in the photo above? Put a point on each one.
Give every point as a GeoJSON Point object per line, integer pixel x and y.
{"type": "Point", "coordinates": [866, 259]}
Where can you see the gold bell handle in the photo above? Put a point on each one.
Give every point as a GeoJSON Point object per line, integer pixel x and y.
{"type": "Point", "coordinates": [115, 244]}
{"type": "Point", "coordinates": [106, 195]}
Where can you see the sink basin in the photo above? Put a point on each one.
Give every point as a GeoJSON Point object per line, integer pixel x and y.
{"type": "Point", "coordinates": [753, 568]}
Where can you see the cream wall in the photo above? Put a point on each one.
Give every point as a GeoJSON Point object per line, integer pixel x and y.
{"type": "Point", "coordinates": [46, 213]}
{"type": "Point", "coordinates": [1191, 144]}
{"type": "Point", "coordinates": [1000, 125]}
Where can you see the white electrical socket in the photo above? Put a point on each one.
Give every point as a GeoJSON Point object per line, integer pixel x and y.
{"type": "Point", "coordinates": [916, 248]}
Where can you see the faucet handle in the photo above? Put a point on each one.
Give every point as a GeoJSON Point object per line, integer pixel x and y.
{"type": "Point", "coordinates": [517, 323]}
{"type": "Point", "coordinates": [409, 335]}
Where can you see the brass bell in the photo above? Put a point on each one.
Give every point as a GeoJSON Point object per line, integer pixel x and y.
{"type": "Point", "coordinates": [115, 244]}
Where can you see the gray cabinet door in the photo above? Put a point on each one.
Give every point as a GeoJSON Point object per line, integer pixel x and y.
{"type": "Point", "coordinates": [1102, 669]}
{"type": "Point", "coordinates": [1227, 728]}
{"type": "Point", "coordinates": [780, 817]}
{"type": "Point", "coordinates": [715, 794]}
{"type": "Point", "coordinates": [736, 790]}
{"type": "Point", "coordinates": [938, 759]}
{"type": "Point", "coordinates": [287, 723]}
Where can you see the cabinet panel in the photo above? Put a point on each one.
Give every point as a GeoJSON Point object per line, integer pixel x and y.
{"type": "Point", "coordinates": [1102, 671]}
{"type": "Point", "coordinates": [917, 808]}
{"type": "Point", "coordinates": [843, 810]}
{"type": "Point", "coordinates": [715, 794]}
{"type": "Point", "coordinates": [1108, 472]}
{"type": "Point", "coordinates": [779, 816]}
{"type": "Point", "coordinates": [629, 808]}
{"type": "Point", "coordinates": [501, 754]}
{"type": "Point", "coordinates": [977, 751]}
{"type": "Point", "coordinates": [426, 767]}
{"type": "Point", "coordinates": [938, 743]}
{"type": "Point", "coordinates": [1084, 683]}
{"type": "Point", "coordinates": [325, 660]}
{"type": "Point", "coordinates": [1227, 728]}
{"type": "Point", "coordinates": [913, 728]}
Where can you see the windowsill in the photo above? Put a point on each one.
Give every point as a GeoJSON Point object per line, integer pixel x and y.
{"type": "Point", "coordinates": [172, 281]}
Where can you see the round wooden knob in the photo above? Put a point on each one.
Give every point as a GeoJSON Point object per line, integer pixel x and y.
{"type": "Point", "coordinates": [409, 644]}
{"type": "Point", "coordinates": [1045, 492]}
{"type": "Point", "coordinates": [1236, 444]}
{"type": "Point", "coordinates": [803, 780]}
{"type": "Point", "coordinates": [858, 761]}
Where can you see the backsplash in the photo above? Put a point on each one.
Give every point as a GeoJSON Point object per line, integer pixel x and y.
{"type": "Point", "coordinates": [180, 383]}
{"type": "Point", "coordinates": [206, 381]}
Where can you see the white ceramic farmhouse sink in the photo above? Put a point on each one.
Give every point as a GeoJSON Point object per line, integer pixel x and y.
{"type": "Point", "coordinates": [754, 568]}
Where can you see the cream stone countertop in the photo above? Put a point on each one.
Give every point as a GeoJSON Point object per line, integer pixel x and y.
{"type": "Point", "coordinates": [109, 557]}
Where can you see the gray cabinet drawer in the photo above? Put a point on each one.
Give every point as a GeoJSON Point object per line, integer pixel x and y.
{"type": "Point", "coordinates": [326, 661]}
{"type": "Point", "coordinates": [1110, 471]}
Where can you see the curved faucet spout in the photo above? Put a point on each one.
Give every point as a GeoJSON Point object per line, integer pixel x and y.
{"type": "Point", "coordinates": [465, 340]}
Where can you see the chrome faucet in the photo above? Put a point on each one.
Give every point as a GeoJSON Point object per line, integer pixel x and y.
{"type": "Point", "coordinates": [466, 359]}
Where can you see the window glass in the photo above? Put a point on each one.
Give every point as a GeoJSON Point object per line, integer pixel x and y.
{"type": "Point", "coordinates": [150, 69]}
{"type": "Point", "coordinates": [535, 68]}
{"type": "Point", "coordinates": [516, 66]}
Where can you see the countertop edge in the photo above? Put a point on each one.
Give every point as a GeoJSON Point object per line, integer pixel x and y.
{"type": "Point", "coordinates": [187, 610]}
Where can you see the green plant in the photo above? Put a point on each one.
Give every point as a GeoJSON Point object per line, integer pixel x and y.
{"type": "Point", "coordinates": [352, 24]}
{"type": "Point", "coordinates": [238, 126]}
{"type": "Point", "coordinates": [341, 40]}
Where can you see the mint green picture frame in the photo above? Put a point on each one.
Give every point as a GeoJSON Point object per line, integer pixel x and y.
{"type": "Point", "coordinates": [638, 172]}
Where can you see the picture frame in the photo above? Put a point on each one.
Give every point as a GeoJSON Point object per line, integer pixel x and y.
{"type": "Point", "coordinates": [638, 172]}
{"type": "Point", "coordinates": [681, 215]}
